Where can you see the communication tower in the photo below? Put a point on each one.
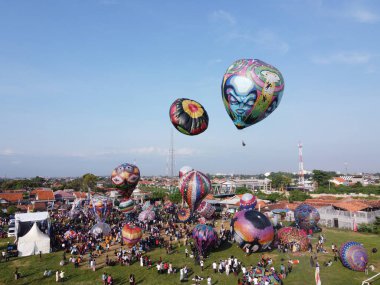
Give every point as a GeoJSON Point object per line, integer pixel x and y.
{"type": "Point", "coordinates": [301, 178]}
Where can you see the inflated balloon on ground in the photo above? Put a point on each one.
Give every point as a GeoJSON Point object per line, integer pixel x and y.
{"type": "Point", "coordinates": [188, 116]}
{"type": "Point", "coordinates": [131, 235]}
{"type": "Point", "coordinates": [306, 216]}
{"type": "Point", "coordinates": [205, 237]}
{"type": "Point", "coordinates": [247, 202]}
{"type": "Point", "coordinates": [252, 229]}
{"type": "Point", "coordinates": [206, 210]}
{"type": "Point", "coordinates": [291, 235]}
{"type": "Point", "coordinates": [353, 255]}
{"type": "Point", "coordinates": [251, 91]}
{"type": "Point", "coordinates": [126, 177]}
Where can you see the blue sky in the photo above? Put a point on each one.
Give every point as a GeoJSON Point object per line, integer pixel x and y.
{"type": "Point", "coordinates": [87, 85]}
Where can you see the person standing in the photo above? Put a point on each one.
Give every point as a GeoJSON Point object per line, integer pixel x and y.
{"type": "Point", "coordinates": [186, 252]}
{"type": "Point", "coordinates": [104, 278]}
{"type": "Point", "coordinates": [57, 276]}
{"type": "Point", "coordinates": [208, 280]}
{"type": "Point", "coordinates": [131, 279]}
{"type": "Point", "coordinates": [201, 264]}
{"type": "Point", "coordinates": [62, 276]}
{"type": "Point", "coordinates": [214, 266]}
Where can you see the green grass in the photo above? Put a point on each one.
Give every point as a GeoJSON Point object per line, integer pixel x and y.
{"type": "Point", "coordinates": [32, 267]}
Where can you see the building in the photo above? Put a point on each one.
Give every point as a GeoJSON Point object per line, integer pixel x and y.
{"type": "Point", "coordinates": [11, 198]}
{"type": "Point", "coordinates": [45, 196]}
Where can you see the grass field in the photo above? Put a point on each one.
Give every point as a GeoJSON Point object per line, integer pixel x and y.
{"type": "Point", "coordinates": [32, 267]}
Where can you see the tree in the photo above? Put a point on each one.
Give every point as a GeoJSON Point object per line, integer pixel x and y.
{"type": "Point", "coordinates": [175, 196]}
{"type": "Point", "coordinates": [280, 180]}
{"type": "Point", "coordinates": [298, 195]}
{"type": "Point", "coordinates": [322, 177]}
{"type": "Point", "coordinates": [88, 182]}
{"type": "Point", "coordinates": [242, 190]}
{"type": "Point", "coordinates": [11, 210]}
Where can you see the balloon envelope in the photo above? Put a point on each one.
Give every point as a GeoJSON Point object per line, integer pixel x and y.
{"type": "Point", "coordinates": [204, 237]}
{"type": "Point", "coordinates": [290, 235]}
{"type": "Point", "coordinates": [131, 235]}
{"type": "Point", "coordinates": [252, 229]}
{"type": "Point", "coordinates": [101, 208]}
{"type": "Point", "coordinates": [251, 91]}
{"type": "Point", "coordinates": [206, 210]}
{"type": "Point", "coordinates": [127, 206]}
{"type": "Point", "coordinates": [247, 202]}
{"type": "Point", "coordinates": [101, 228]}
{"type": "Point", "coordinates": [194, 187]}
{"type": "Point", "coordinates": [146, 216]}
{"type": "Point", "coordinates": [306, 216]}
{"type": "Point", "coordinates": [126, 177]}
{"type": "Point", "coordinates": [188, 116]}
{"type": "Point", "coordinates": [184, 215]}
{"type": "Point", "coordinates": [184, 169]}
{"type": "Point", "coordinates": [353, 256]}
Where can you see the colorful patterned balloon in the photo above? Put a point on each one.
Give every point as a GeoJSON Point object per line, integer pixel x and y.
{"type": "Point", "coordinates": [131, 235]}
{"type": "Point", "coordinates": [184, 215]}
{"type": "Point", "coordinates": [247, 202]}
{"type": "Point", "coordinates": [188, 116]}
{"type": "Point", "coordinates": [290, 235]}
{"type": "Point", "coordinates": [252, 229]}
{"type": "Point", "coordinates": [353, 255]}
{"type": "Point", "coordinates": [127, 206]}
{"type": "Point", "coordinates": [194, 188]}
{"type": "Point", "coordinates": [306, 216]}
{"type": "Point", "coordinates": [251, 90]}
{"type": "Point", "coordinates": [126, 177]}
{"type": "Point", "coordinates": [206, 210]}
{"type": "Point", "coordinates": [101, 207]}
{"type": "Point", "coordinates": [101, 228]}
{"type": "Point", "coordinates": [204, 237]}
{"type": "Point", "coordinates": [146, 216]}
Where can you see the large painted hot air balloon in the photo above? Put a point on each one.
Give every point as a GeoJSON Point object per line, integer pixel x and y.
{"type": "Point", "coordinates": [306, 216]}
{"type": "Point", "coordinates": [101, 207]}
{"type": "Point", "coordinates": [184, 215]}
{"type": "Point", "coordinates": [188, 116]}
{"type": "Point", "coordinates": [194, 188]}
{"type": "Point", "coordinates": [101, 228]}
{"type": "Point", "coordinates": [252, 229]}
{"type": "Point", "coordinates": [127, 206]}
{"type": "Point", "coordinates": [146, 216]}
{"type": "Point", "coordinates": [131, 235]}
{"type": "Point", "coordinates": [353, 255]}
{"type": "Point", "coordinates": [251, 90]}
{"type": "Point", "coordinates": [126, 177]}
{"type": "Point", "coordinates": [204, 237]}
{"type": "Point", "coordinates": [291, 235]}
{"type": "Point", "coordinates": [247, 202]}
{"type": "Point", "coordinates": [206, 210]}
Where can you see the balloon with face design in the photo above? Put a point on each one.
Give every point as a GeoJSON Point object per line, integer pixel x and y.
{"type": "Point", "coordinates": [188, 116]}
{"type": "Point", "coordinates": [251, 90]}
{"type": "Point", "coordinates": [125, 177]}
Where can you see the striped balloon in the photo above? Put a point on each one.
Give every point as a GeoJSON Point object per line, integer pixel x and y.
{"type": "Point", "coordinates": [131, 235]}
{"type": "Point", "coordinates": [127, 206]}
{"type": "Point", "coordinates": [194, 188]}
{"type": "Point", "coordinates": [353, 255]}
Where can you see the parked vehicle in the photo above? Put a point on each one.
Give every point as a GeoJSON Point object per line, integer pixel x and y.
{"type": "Point", "coordinates": [12, 250]}
{"type": "Point", "coordinates": [11, 221]}
{"type": "Point", "coordinates": [11, 232]}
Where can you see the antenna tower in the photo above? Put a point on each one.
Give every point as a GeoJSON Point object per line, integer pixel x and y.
{"type": "Point", "coordinates": [301, 178]}
{"type": "Point", "coordinates": [171, 154]}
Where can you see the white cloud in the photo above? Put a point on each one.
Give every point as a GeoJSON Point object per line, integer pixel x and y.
{"type": "Point", "coordinates": [363, 16]}
{"type": "Point", "coordinates": [223, 16]}
{"type": "Point", "coordinates": [344, 58]}
{"type": "Point", "coordinates": [7, 152]}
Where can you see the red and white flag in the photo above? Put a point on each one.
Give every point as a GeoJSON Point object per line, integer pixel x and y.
{"type": "Point", "coordinates": [317, 278]}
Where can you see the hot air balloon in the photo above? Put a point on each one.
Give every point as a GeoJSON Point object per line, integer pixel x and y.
{"type": "Point", "coordinates": [126, 177]}
{"type": "Point", "coordinates": [146, 216]}
{"type": "Point", "coordinates": [204, 237]}
{"type": "Point", "coordinates": [353, 255]}
{"type": "Point", "coordinates": [188, 116]}
{"type": "Point", "coordinates": [252, 229]}
{"type": "Point", "coordinates": [291, 235]}
{"type": "Point", "coordinates": [206, 210]}
{"type": "Point", "coordinates": [194, 187]}
{"type": "Point", "coordinates": [306, 216]}
{"type": "Point", "coordinates": [184, 215]}
{"type": "Point", "coordinates": [101, 207]}
{"type": "Point", "coordinates": [127, 206]}
{"type": "Point", "coordinates": [251, 90]}
{"type": "Point", "coordinates": [101, 228]}
{"type": "Point", "coordinates": [247, 202]}
{"type": "Point", "coordinates": [131, 235]}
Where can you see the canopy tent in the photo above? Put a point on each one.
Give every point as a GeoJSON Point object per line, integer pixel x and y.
{"type": "Point", "coordinates": [25, 221]}
{"type": "Point", "coordinates": [33, 242]}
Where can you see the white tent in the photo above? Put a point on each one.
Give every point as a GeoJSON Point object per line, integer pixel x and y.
{"type": "Point", "coordinates": [33, 242]}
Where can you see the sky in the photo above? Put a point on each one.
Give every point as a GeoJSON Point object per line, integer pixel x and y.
{"type": "Point", "coordinates": [87, 85]}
